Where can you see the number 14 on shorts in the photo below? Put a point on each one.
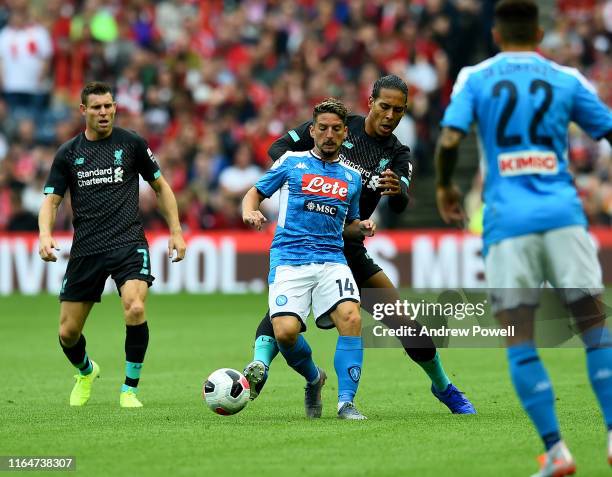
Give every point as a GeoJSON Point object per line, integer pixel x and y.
{"type": "Point", "coordinates": [347, 287]}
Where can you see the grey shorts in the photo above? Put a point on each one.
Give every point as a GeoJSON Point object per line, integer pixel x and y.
{"type": "Point", "coordinates": [516, 268]}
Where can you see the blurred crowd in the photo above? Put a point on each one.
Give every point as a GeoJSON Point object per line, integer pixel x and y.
{"type": "Point", "coordinates": [211, 84]}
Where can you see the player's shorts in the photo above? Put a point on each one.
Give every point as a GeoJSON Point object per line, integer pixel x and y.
{"type": "Point", "coordinates": [360, 263]}
{"type": "Point", "coordinates": [320, 286]}
{"type": "Point", "coordinates": [517, 267]}
{"type": "Point", "coordinates": [86, 276]}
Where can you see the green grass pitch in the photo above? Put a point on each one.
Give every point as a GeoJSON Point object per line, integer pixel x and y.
{"type": "Point", "coordinates": [408, 431]}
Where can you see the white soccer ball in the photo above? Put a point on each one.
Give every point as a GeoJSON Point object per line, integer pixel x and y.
{"type": "Point", "coordinates": [226, 391]}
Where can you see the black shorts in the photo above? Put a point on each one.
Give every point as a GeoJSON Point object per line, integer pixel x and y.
{"type": "Point", "coordinates": [360, 263]}
{"type": "Point", "coordinates": [85, 276]}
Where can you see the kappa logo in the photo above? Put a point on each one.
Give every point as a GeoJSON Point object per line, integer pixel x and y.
{"type": "Point", "coordinates": [118, 157]}
{"type": "Point", "coordinates": [541, 387]}
{"type": "Point", "coordinates": [313, 184]}
{"type": "Point", "coordinates": [603, 374]}
{"type": "Point", "coordinates": [355, 373]}
{"type": "Point", "coordinates": [301, 165]}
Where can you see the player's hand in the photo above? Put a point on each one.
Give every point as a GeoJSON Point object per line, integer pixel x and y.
{"type": "Point", "coordinates": [254, 218]}
{"type": "Point", "coordinates": [367, 227]}
{"type": "Point", "coordinates": [177, 242]}
{"type": "Point", "coordinates": [46, 246]}
{"type": "Point", "coordinates": [389, 183]}
{"type": "Point", "coordinates": [449, 205]}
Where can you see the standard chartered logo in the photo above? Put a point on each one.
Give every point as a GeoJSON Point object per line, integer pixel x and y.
{"type": "Point", "coordinates": [100, 176]}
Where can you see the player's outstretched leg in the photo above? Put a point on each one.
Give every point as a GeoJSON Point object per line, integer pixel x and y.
{"type": "Point", "coordinates": [446, 392]}
{"type": "Point", "coordinates": [348, 359]}
{"type": "Point", "coordinates": [265, 350]}
{"type": "Point", "coordinates": [420, 348]}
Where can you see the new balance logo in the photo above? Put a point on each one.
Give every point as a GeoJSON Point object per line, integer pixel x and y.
{"type": "Point", "coordinates": [301, 165]}
{"type": "Point", "coordinates": [79, 161]}
{"type": "Point", "coordinates": [324, 186]}
{"type": "Point", "coordinates": [118, 174]}
{"type": "Point", "coordinates": [373, 183]}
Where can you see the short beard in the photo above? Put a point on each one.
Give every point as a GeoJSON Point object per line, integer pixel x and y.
{"type": "Point", "coordinates": [328, 155]}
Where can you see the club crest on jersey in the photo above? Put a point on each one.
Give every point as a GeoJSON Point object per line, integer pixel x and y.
{"type": "Point", "coordinates": [382, 165]}
{"type": "Point", "coordinates": [320, 208]}
{"type": "Point", "coordinates": [355, 373]}
{"type": "Point", "coordinates": [527, 162]}
{"type": "Point", "coordinates": [323, 186]}
{"type": "Point", "coordinates": [118, 158]}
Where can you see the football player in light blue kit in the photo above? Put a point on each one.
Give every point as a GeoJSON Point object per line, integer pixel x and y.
{"type": "Point", "coordinates": [319, 201]}
{"type": "Point", "coordinates": [534, 225]}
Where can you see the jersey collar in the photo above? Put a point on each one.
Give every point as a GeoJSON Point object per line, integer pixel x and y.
{"type": "Point", "coordinates": [505, 54]}
{"type": "Point", "coordinates": [316, 156]}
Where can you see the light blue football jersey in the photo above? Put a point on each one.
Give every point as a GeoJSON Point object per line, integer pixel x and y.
{"type": "Point", "coordinates": [522, 105]}
{"type": "Point", "coordinates": [316, 198]}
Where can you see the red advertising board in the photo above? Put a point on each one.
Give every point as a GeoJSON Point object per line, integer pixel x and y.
{"type": "Point", "coordinates": [237, 262]}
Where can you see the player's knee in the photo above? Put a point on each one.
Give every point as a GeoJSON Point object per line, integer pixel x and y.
{"type": "Point", "coordinates": [286, 336]}
{"type": "Point", "coordinates": [349, 322]}
{"type": "Point", "coordinates": [68, 334]}
{"type": "Point", "coordinates": [286, 332]}
{"type": "Point", "coordinates": [134, 311]}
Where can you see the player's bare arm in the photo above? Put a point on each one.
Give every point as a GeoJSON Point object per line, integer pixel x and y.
{"type": "Point", "coordinates": [251, 215]}
{"type": "Point", "coordinates": [46, 221]}
{"type": "Point", "coordinates": [169, 209]}
{"type": "Point", "coordinates": [358, 229]}
{"type": "Point", "coordinates": [448, 195]}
